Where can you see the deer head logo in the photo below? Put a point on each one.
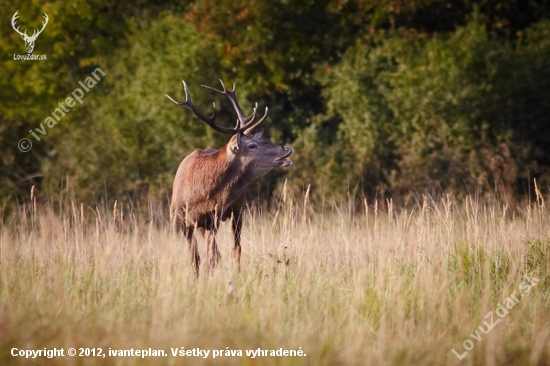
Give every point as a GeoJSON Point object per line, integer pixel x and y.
{"type": "Point", "coordinates": [29, 40]}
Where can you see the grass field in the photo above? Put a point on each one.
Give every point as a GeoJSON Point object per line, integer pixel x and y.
{"type": "Point", "coordinates": [377, 286]}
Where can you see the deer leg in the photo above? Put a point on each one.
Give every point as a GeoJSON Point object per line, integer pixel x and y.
{"type": "Point", "coordinates": [193, 246]}
{"type": "Point", "coordinates": [236, 226]}
{"type": "Point", "coordinates": [211, 241]}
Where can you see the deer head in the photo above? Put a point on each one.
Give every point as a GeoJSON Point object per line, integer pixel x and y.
{"type": "Point", "coordinates": [29, 40]}
{"type": "Point", "coordinates": [250, 148]}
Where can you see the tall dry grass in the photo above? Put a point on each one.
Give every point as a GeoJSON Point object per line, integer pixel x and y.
{"type": "Point", "coordinates": [389, 286]}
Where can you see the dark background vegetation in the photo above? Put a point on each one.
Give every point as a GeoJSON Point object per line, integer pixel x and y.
{"type": "Point", "coordinates": [377, 98]}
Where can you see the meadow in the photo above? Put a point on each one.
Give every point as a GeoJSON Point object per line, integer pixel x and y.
{"type": "Point", "coordinates": [369, 284]}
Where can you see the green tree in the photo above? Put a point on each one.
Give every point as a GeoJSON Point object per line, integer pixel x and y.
{"type": "Point", "coordinates": [78, 38]}
{"type": "Point", "coordinates": [134, 138]}
{"type": "Point", "coordinates": [447, 112]}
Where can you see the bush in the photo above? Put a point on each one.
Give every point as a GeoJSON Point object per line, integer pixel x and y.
{"type": "Point", "coordinates": [449, 112]}
{"type": "Point", "coordinates": [134, 138]}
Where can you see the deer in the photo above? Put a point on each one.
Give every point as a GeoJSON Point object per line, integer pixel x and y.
{"type": "Point", "coordinates": [210, 185]}
{"type": "Point", "coordinates": [29, 40]}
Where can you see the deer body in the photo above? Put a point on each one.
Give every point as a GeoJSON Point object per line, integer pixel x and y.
{"type": "Point", "coordinates": [208, 182]}
{"type": "Point", "coordinates": [210, 185]}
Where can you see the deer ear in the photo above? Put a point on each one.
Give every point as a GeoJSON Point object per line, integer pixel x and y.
{"type": "Point", "coordinates": [258, 135]}
{"type": "Point", "coordinates": [234, 143]}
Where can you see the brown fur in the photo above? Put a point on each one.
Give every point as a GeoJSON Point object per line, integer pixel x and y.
{"type": "Point", "coordinates": [210, 185]}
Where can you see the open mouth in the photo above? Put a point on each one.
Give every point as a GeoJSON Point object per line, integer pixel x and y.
{"type": "Point", "coordinates": [283, 161]}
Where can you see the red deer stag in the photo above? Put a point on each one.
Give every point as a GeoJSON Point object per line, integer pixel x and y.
{"type": "Point", "coordinates": [210, 184]}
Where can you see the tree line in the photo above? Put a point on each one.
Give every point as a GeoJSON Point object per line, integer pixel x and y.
{"type": "Point", "coordinates": [377, 98]}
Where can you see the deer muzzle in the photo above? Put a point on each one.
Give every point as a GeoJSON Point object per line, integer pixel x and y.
{"type": "Point", "coordinates": [283, 161]}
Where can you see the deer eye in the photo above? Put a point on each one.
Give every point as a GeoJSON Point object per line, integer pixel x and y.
{"type": "Point", "coordinates": [252, 146]}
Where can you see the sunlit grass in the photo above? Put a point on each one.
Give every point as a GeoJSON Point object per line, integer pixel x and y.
{"type": "Point", "coordinates": [372, 286]}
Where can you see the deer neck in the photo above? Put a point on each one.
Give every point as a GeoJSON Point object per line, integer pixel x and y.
{"type": "Point", "coordinates": [237, 174]}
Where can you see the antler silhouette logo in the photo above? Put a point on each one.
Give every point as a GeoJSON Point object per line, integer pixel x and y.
{"type": "Point", "coordinates": [29, 40]}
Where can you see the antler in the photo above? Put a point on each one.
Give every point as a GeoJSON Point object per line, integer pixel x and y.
{"type": "Point", "coordinates": [24, 34]}
{"type": "Point", "coordinates": [209, 120]}
{"type": "Point", "coordinates": [13, 19]}
{"type": "Point", "coordinates": [249, 127]}
{"type": "Point", "coordinates": [43, 26]}
{"type": "Point", "coordinates": [244, 124]}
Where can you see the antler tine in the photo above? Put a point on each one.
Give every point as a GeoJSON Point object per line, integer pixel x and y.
{"type": "Point", "coordinates": [232, 96]}
{"type": "Point", "coordinates": [209, 120]}
{"type": "Point", "coordinates": [248, 130]}
{"type": "Point", "coordinates": [250, 118]}
{"type": "Point", "coordinates": [13, 20]}
{"type": "Point", "coordinates": [44, 23]}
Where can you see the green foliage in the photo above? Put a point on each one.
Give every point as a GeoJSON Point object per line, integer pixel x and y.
{"type": "Point", "coordinates": [468, 263]}
{"type": "Point", "coordinates": [377, 98]}
{"type": "Point", "coordinates": [537, 261]}
{"type": "Point", "coordinates": [445, 112]}
{"type": "Point", "coordinates": [130, 118]}
{"type": "Point", "coordinates": [78, 38]}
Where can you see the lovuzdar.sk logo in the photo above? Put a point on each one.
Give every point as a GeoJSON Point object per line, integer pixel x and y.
{"type": "Point", "coordinates": [29, 40]}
